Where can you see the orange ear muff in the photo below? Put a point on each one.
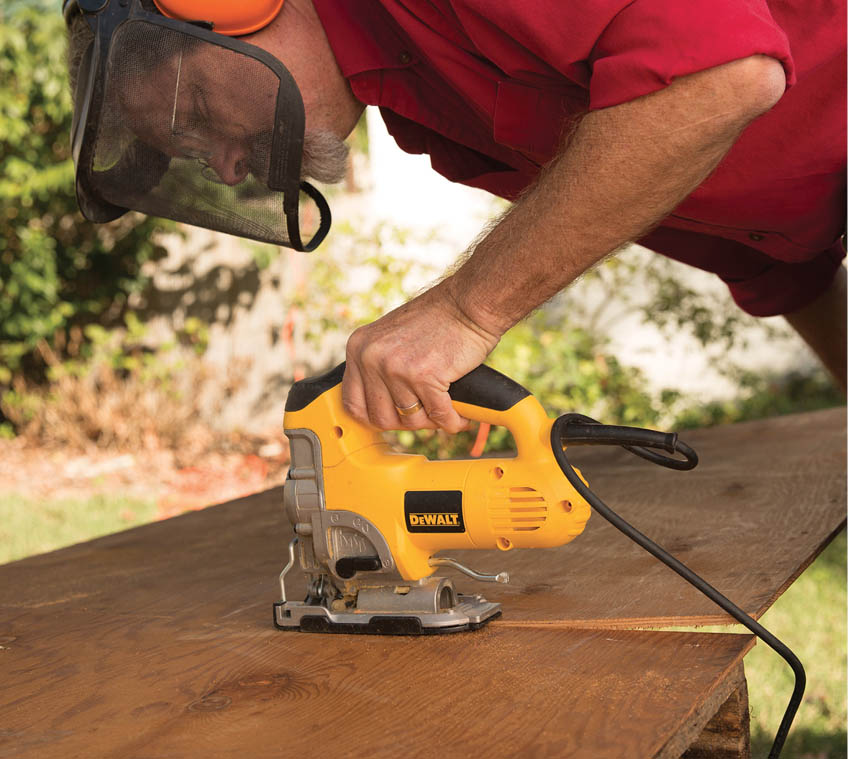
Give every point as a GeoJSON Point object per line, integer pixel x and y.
{"type": "Point", "coordinates": [227, 17]}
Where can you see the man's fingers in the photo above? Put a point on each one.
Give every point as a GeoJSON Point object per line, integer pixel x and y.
{"type": "Point", "coordinates": [441, 412]}
{"type": "Point", "coordinates": [353, 393]}
{"type": "Point", "coordinates": [413, 415]}
{"type": "Point", "coordinates": [382, 409]}
{"type": "Point", "coordinates": [436, 410]}
{"type": "Point", "coordinates": [371, 401]}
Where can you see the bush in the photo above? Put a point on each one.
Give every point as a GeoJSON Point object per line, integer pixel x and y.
{"type": "Point", "coordinates": [56, 269]}
{"type": "Point", "coordinates": [116, 392]}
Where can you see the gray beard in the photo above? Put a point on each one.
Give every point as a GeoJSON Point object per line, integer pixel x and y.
{"type": "Point", "coordinates": [324, 157]}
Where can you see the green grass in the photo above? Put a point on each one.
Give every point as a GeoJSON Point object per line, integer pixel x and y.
{"type": "Point", "coordinates": [810, 618]}
{"type": "Point", "coordinates": [29, 526]}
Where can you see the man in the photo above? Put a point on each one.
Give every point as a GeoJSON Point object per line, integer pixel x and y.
{"type": "Point", "coordinates": [711, 132]}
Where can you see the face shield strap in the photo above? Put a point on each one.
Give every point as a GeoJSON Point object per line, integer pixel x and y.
{"type": "Point", "coordinates": [286, 166]}
{"type": "Point", "coordinates": [293, 221]}
{"type": "Point", "coordinates": [119, 169]}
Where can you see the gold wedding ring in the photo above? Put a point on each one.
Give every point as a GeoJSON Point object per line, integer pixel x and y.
{"type": "Point", "coordinates": [409, 410]}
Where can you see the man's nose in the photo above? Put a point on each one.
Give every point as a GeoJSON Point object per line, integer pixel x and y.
{"type": "Point", "coordinates": [230, 163]}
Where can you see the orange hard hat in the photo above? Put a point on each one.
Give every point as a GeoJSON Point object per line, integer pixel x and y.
{"type": "Point", "coordinates": [227, 17]}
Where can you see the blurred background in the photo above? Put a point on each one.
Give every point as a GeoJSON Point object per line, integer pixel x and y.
{"type": "Point", "coordinates": [144, 366]}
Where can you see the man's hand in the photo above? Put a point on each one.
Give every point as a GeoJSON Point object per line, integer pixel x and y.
{"type": "Point", "coordinates": [413, 354]}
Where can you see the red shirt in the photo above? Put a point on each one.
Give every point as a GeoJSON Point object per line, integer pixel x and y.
{"type": "Point", "coordinates": [487, 89]}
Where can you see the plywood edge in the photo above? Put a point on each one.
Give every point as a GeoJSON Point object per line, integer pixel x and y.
{"type": "Point", "coordinates": [693, 723]}
{"type": "Point", "coordinates": [658, 623]}
{"type": "Point", "coordinates": [728, 734]}
{"type": "Point", "coordinates": [634, 623]}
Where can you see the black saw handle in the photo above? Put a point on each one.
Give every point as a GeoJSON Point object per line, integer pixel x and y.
{"type": "Point", "coordinates": [484, 387]}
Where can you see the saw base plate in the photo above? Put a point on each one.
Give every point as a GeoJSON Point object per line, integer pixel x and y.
{"type": "Point", "coordinates": [470, 613]}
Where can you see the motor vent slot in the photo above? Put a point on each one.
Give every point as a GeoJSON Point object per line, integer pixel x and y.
{"type": "Point", "coordinates": [517, 509]}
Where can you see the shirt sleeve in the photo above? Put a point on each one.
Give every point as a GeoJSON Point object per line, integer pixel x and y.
{"type": "Point", "coordinates": [650, 42]}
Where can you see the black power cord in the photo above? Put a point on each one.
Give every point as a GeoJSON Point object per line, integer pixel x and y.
{"type": "Point", "coordinates": [576, 429]}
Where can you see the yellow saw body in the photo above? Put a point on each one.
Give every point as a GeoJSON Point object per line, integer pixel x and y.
{"type": "Point", "coordinates": [369, 520]}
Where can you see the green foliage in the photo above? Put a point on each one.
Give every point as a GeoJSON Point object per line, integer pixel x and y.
{"type": "Point", "coordinates": [676, 307]}
{"type": "Point", "coordinates": [570, 369]}
{"type": "Point", "coordinates": [357, 280]}
{"type": "Point", "coordinates": [128, 351]}
{"type": "Point", "coordinates": [650, 286]}
{"type": "Point", "coordinates": [761, 396]}
{"type": "Point", "coordinates": [56, 269]}
{"type": "Point", "coordinates": [11, 7]}
{"type": "Point", "coordinates": [811, 619]}
{"type": "Point", "coordinates": [358, 139]}
{"type": "Point", "coordinates": [115, 389]}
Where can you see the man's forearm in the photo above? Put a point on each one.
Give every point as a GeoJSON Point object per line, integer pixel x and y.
{"type": "Point", "coordinates": [624, 169]}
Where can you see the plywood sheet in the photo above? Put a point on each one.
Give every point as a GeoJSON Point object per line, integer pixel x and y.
{"type": "Point", "coordinates": [99, 684]}
{"type": "Point", "coordinates": [158, 641]}
{"type": "Point", "coordinates": [765, 500]}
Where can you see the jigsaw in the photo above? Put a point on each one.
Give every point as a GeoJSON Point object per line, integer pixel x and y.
{"type": "Point", "coordinates": [368, 521]}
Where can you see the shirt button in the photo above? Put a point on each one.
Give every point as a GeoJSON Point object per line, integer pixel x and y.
{"type": "Point", "coordinates": [756, 236]}
{"type": "Point", "coordinates": [405, 57]}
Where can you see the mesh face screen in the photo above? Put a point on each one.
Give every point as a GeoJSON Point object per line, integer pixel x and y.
{"type": "Point", "coordinates": [186, 131]}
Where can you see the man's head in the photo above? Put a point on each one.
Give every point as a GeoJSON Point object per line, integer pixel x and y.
{"type": "Point", "coordinates": [190, 124]}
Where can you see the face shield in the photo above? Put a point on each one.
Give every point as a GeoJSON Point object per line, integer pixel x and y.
{"type": "Point", "coordinates": [174, 120]}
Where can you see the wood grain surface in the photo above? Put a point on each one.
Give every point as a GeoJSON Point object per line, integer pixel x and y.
{"type": "Point", "coordinates": [158, 642]}
{"type": "Point", "coordinates": [765, 500]}
{"type": "Point", "coordinates": [138, 685]}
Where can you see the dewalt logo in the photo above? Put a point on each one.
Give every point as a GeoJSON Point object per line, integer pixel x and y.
{"type": "Point", "coordinates": [434, 520]}
{"type": "Point", "coordinates": [433, 511]}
